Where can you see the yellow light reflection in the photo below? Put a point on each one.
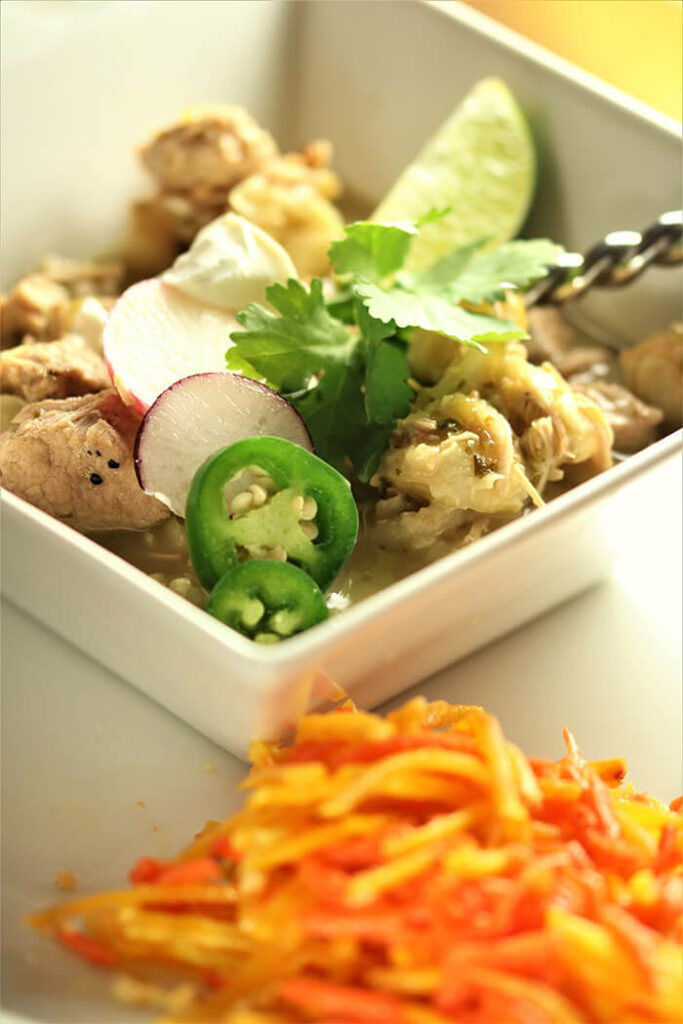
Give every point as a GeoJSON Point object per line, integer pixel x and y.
{"type": "Point", "coordinates": [635, 45]}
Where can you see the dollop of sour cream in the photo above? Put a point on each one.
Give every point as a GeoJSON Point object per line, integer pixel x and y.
{"type": "Point", "coordinates": [230, 263]}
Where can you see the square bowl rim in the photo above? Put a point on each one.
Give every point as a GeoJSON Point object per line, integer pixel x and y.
{"type": "Point", "coordinates": [340, 627]}
{"type": "Point", "coordinates": [510, 39]}
{"type": "Point", "coordinates": [402, 591]}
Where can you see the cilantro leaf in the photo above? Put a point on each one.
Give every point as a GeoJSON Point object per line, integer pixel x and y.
{"type": "Point", "coordinates": [368, 447]}
{"type": "Point", "coordinates": [377, 250]}
{"type": "Point", "coordinates": [466, 275]}
{"type": "Point", "coordinates": [346, 378]}
{"type": "Point", "coordinates": [432, 216]}
{"type": "Point", "coordinates": [373, 250]}
{"type": "Point", "coordinates": [334, 411]}
{"type": "Point", "coordinates": [236, 363]}
{"type": "Point", "coordinates": [371, 329]}
{"type": "Point", "coordinates": [344, 364]}
{"type": "Point", "coordinates": [289, 349]}
{"type": "Point", "coordinates": [440, 277]}
{"type": "Point", "coordinates": [340, 306]}
{"type": "Point", "coordinates": [417, 309]}
{"type": "Point", "coordinates": [387, 392]}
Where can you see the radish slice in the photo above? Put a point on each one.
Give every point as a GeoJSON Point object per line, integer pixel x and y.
{"type": "Point", "coordinates": [156, 334]}
{"type": "Point", "coordinates": [198, 416]}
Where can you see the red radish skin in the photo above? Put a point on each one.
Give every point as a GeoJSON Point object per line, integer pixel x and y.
{"type": "Point", "coordinates": [156, 335]}
{"type": "Point", "coordinates": [199, 415]}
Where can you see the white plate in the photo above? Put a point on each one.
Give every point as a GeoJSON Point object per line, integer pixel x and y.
{"type": "Point", "coordinates": [355, 74]}
{"type": "Point", "coordinates": [82, 750]}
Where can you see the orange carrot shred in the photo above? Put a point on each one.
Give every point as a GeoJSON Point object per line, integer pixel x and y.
{"type": "Point", "coordinates": [87, 948]}
{"type": "Point", "coordinates": [370, 879]}
{"type": "Point", "coordinates": [342, 1002]}
{"type": "Point", "coordinates": [204, 869]}
{"type": "Point", "coordinates": [147, 870]}
{"type": "Point", "coordinates": [224, 848]}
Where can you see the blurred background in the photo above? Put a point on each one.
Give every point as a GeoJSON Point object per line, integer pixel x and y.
{"type": "Point", "coordinates": [635, 45]}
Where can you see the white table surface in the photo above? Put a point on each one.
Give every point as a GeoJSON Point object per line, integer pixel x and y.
{"type": "Point", "coordinates": [95, 774]}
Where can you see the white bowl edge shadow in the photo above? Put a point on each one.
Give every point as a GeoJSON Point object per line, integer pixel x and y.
{"type": "Point", "coordinates": [399, 592]}
{"type": "Point", "coordinates": [298, 650]}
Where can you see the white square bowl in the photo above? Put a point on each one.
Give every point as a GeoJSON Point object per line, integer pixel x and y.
{"type": "Point", "coordinates": [375, 78]}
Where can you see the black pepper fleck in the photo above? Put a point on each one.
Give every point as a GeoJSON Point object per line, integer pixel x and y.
{"type": "Point", "coordinates": [95, 478]}
{"type": "Point", "coordinates": [113, 464]}
{"type": "Point", "coordinates": [480, 465]}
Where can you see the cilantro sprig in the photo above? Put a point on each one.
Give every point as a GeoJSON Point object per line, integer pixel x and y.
{"type": "Point", "coordinates": [343, 362]}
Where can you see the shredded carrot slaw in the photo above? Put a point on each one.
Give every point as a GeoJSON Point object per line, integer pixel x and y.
{"type": "Point", "coordinates": [409, 869]}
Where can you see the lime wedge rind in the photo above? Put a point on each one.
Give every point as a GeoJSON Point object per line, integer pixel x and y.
{"type": "Point", "coordinates": [481, 163]}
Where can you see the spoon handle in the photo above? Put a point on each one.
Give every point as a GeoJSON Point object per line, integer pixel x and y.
{"type": "Point", "coordinates": [615, 261]}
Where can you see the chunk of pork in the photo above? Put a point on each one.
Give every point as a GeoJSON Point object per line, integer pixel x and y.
{"type": "Point", "coordinates": [52, 369]}
{"type": "Point", "coordinates": [634, 423]}
{"type": "Point", "coordinates": [654, 371]}
{"type": "Point", "coordinates": [73, 458]}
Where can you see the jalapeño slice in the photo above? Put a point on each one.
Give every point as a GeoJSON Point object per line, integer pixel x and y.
{"type": "Point", "coordinates": [267, 600]}
{"type": "Point", "coordinates": [265, 497]}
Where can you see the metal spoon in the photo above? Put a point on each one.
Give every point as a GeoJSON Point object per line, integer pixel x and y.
{"type": "Point", "coordinates": [614, 262]}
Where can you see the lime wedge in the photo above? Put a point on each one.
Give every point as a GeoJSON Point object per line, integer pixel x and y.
{"type": "Point", "coordinates": [480, 163]}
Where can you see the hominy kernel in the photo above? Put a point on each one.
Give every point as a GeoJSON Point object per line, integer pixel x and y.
{"type": "Point", "coordinates": [241, 502]}
{"type": "Point", "coordinates": [310, 508]}
{"type": "Point", "coordinates": [259, 495]}
{"type": "Point", "coordinates": [180, 585]}
{"type": "Point", "coordinates": [282, 622]}
{"type": "Point", "coordinates": [262, 476]}
{"type": "Point", "coordinates": [253, 612]}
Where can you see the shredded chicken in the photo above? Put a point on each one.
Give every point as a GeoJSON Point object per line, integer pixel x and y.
{"type": "Point", "coordinates": [84, 277]}
{"type": "Point", "coordinates": [291, 199]}
{"type": "Point", "coordinates": [156, 236]}
{"type": "Point", "coordinates": [633, 422]}
{"type": "Point", "coordinates": [554, 340]}
{"type": "Point", "coordinates": [207, 152]}
{"type": "Point", "coordinates": [73, 458]}
{"type": "Point", "coordinates": [654, 371]}
{"type": "Point", "coordinates": [587, 368]}
{"type": "Point", "coordinates": [430, 353]}
{"type": "Point", "coordinates": [467, 463]}
{"type": "Point", "coordinates": [10, 405]}
{"type": "Point", "coordinates": [218, 159]}
{"type": "Point", "coordinates": [52, 369]}
{"type": "Point", "coordinates": [36, 306]}
{"type": "Point", "coordinates": [524, 392]}
{"type": "Point", "coordinates": [165, 225]}
{"type": "Point", "coordinates": [195, 164]}
{"type": "Point", "coordinates": [429, 530]}
{"type": "Point", "coordinates": [41, 304]}
{"type": "Point", "coordinates": [485, 441]}
{"type": "Point", "coordinates": [87, 317]}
